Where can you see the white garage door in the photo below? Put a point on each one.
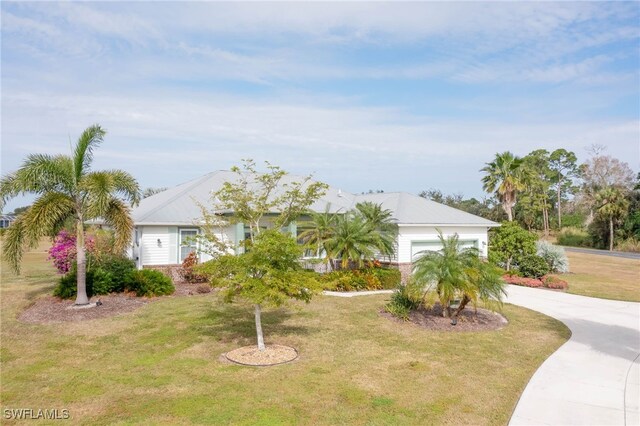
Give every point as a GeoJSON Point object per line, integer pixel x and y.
{"type": "Point", "coordinates": [419, 247]}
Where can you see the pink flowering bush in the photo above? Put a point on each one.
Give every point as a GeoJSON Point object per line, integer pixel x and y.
{"type": "Point", "coordinates": [63, 251]}
{"type": "Point", "coordinates": [526, 282]}
{"type": "Point", "coordinates": [548, 281]}
{"type": "Point", "coordinates": [551, 281]}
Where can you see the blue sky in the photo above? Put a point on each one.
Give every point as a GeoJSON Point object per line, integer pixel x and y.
{"type": "Point", "coordinates": [392, 96]}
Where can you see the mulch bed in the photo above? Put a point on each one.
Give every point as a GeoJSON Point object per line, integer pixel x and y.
{"type": "Point", "coordinates": [51, 309]}
{"type": "Point", "coordinates": [272, 355]}
{"type": "Point", "coordinates": [468, 320]}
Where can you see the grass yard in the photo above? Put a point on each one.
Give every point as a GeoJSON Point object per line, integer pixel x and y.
{"type": "Point", "coordinates": [606, 277]}
{"type": "Point", "coordinates": [160, 364]}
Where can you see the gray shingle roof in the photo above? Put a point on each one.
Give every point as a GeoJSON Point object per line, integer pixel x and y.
{"type": "Point", "coordinates": [178, 205]}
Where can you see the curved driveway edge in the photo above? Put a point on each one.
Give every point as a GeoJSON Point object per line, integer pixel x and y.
{"type": "Point", "coordinates": [594, 378]}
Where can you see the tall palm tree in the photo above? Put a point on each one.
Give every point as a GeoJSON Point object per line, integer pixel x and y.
{"type": "Point", "coordinates": [505, 176]}
{"type": "Point", "coordinates": [612, 205]}
{"type": "Point", "coordinates": [353, 240]}
{"type": "Point", "coordinates": [66, 191]}
{"type": "Point", "coordinates": [453, 273]}
{"type": "Point", "coordinates": [383, 224]}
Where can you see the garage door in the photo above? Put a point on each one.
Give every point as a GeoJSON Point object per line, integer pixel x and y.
{"type": "Point", "coordinates": [419, 247]}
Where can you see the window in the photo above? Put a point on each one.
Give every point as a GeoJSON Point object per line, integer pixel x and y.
{"type": "Point", "coordinates": [187, 242]}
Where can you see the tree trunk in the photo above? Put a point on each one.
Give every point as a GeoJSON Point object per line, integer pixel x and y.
{"type": "Point", "coordinates": [559, 207]}
{"type": "Point", "coordinates": [611, 234]}
{"type": "Point", "coordinates": [508, 263]}
{"type": "Point", "coordinates": [446, 310]}
{"type": "Point", "coordinates": [545, 221]}
{"type": "Point", "coordinates": [259, 328]}
{"type": "Point", "coordinates": [81, 259]}
{"type": "Point", "coordinates": [507, 209]}
{"type": "Point", "coordinates": [463, 303]}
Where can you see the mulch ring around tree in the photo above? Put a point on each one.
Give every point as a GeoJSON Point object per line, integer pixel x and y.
{"type": "Point", "coordinates": [50, 309]}
{"type": "Point", "coordinates": [252, 356]}
{"type": "Point", "coordinates": [468, 320]}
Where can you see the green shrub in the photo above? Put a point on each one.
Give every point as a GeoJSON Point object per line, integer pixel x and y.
{"type": "Point", "coordinates": [405, 299]}
{"type": "Point", "coordinates": [103, 282]}
{"type": "Point", "coordinates": [104, 275]}
{"type": "Point", "coordinates": [574, 237]}
{"type": "Point", "coordinates": [360, 279]}
{"type": "Point", "coordinates": [573, 220]}
{"type": "Point", "coordinates": [389, 277]}
{"type": "Point", "coordinates": [67, 287]}
{"type": "Point", "coordinates": [148, 282]}
{"type": "Point", "coordinates": [117, 266]}
{"type": "Point", "coordinates": [533, 267]}
{"type": "Point", "coordinates": [510, 243]}
{"type": "Point", "coordinates": [350, 280]}
{"type": "Point", "coordinates": [630, 244]}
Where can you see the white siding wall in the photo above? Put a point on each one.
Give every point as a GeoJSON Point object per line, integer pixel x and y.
{"type": "Point", "coordinates": [227, 235]}
{"type": "Point", "coordinates": [409, 234]}
{"type": "Point", "coordinates": [152, 252]}
{"type": "Point", "coordinates": [167, 252]}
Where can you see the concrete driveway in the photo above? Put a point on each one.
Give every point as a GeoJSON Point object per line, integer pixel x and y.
{"type": "Point", "coordinates": [594, 378]}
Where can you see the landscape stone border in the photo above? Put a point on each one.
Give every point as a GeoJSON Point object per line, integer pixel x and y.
{"type": "Point", "coordinates": [288, 354]}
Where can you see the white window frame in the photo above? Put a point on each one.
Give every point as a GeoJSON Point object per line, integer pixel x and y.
{"type": "Point", "coordinates": [196, 246]}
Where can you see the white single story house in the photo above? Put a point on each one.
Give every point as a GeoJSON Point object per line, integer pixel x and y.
{"type": "Point", "coordinates": [165, 221]}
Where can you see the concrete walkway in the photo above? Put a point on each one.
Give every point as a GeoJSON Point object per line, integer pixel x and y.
{"type": "Point", "coordinates": [594, 378]}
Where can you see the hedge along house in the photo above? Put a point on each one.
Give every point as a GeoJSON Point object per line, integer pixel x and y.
{"type": "Point", "coordinates": [166, 222]}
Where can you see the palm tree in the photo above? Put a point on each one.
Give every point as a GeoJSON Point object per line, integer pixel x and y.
{"type": "Point", "coordinates": [66, 191]}
{"type": "Point", "coordinates": [504, 176]}
{"type": "Point", "coordinates": [318, 230]}
{"type": "Point", "coordinates": [454, 273]}
{"type": "Point", "coordinates": [353, 240]}
{"type": "Point", "coordinates": [612, 205]}
{"type": "Point", "coordinates": [383, 224]}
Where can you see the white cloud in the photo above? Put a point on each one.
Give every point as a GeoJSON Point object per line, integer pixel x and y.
{"type": "Point", "coordinates": [163, 77]}
{"type": "Point", "coordinates": [148, 131]}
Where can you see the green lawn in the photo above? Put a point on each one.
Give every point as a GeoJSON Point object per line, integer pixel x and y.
{"type": "Point", "coordinates": [603, 276]}
{"type": "Point", "coordinates": [160, 364]}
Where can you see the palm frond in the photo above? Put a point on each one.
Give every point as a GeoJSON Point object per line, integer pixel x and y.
{"type": "Point", "coordinates": [118, 216]}
{"type": "Point", "coordinates": [46, 214]}
{"type": "Point", "coordinates": [83, 154]}
{"type": "Point", "coordinates": [126, 186]}
{"type": "Point", "coordinates": [13, 244]}
{"type": "Point", "coordinates": [100, 188]}
{"type": "Point", "coordinates": [43, 218]}
{"type": "Point", "coordinates": [38, 174]}
{"type": "Point", "coordinates": [97, 189]}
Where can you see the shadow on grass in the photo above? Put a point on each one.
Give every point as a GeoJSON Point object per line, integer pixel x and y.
{"type": "Point", "coordinates": [229, 323]}
{"type": "Point", "coordinates": [35, 293]}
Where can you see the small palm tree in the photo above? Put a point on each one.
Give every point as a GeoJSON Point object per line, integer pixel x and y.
{"type": "Point", "coordinates": [456, 273]}
{"type": "Point", "coordinates": [353, 240]}
{"type": "Point", "coordinates": [383, 224]}
{"type": "Point", "coordinates": [505, 176]}
{"type": "Point", "coordinates": [68, 191]}
{"type": "Point", "coordinates": [613, 206]}
{"type": "Point", "coordinates": [318, 230]}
